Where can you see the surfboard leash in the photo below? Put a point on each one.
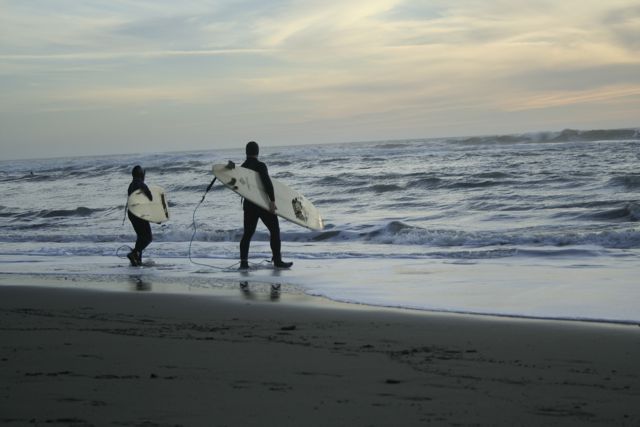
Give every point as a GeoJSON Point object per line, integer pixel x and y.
{"type": "Point", "coordinates": [195, 229]}
{"type": "Point", "coordinates": [123, 247]}
{"type": "Point", "coordinates": [229, 268]}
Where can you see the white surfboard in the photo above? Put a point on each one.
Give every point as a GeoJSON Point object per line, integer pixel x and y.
{"type": "Point", "coordinates": [290, 204]}
{"type": "Point", "coordinates": [155, 210]}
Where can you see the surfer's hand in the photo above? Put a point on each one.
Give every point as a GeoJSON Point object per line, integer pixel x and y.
{"type": "Point", "coordinates": [272, 206]}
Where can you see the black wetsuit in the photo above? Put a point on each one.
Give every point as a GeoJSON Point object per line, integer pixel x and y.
{"type": "Point", "coordinates": [141, 226]}
{"type": "Point", "coordinates": [253, 212]}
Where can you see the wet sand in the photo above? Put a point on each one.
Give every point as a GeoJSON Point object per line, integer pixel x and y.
{"type": "Point", "coordinates": [80, 357]}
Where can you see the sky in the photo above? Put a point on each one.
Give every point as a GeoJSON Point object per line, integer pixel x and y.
{"type": "Point", "coordinates": [117, 76]}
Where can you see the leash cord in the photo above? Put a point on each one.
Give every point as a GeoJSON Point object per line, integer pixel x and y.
{"type": "Point", "coordinates": [195, 230]}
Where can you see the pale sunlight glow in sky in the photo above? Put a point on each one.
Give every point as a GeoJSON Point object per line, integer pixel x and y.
{"type": "Point", "coordinates": [99, 77]}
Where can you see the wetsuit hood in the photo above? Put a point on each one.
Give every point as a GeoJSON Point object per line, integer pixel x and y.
{"type": "Point", "coordinates": [138, 172]}
{"type": "Point", "coordinates": [252, 148]}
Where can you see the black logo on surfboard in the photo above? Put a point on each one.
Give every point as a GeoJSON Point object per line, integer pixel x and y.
{"type": "Point", "coordinates": [300, 212]}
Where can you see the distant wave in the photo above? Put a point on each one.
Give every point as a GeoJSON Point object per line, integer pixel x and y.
{"type": "Point", "coordinates": [473, 184]}
{"type": "Point", "coordinates": [393, 182]}
{"type": "Point", "coordinates": [493, 175]}
{"type": "Point", "coordinates": [6, 212]}
{"type": "Point", "coordinates": [280, 163]}
{"type": "Point", "coordinates": [399, 233]}
{"type": "Point", "coordinates": [384, 188]}
{"type": "Point", "coordinates": [193, 188]}
{"type": "Point", "coordinates": [630, 212]}
{"type": "Point", "coordinates": [332, 160]}
{"type": "Point", "coordinates": [567, 135]}
{"type": "Point", "coordinates": [28, 177]}
{"type": "Point", "coordinates": [598, 135]}
{"type": "Point", "coordinates": [391, 145]}
{"type": "Point", "coordinates": [626, 212]}
{"type": "Point", "coordinates": [427, 182]}
{"type": "Point", "coordinates": [30, 215]}
{"type": "Point", "coordinates": [61, 213]}
{"type": "Point", "coordinates": [630, 182]}
{"type": "Point", "coordinates": [343, 181]}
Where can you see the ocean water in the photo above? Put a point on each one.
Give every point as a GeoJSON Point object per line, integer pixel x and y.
{"type": "Point", "coordinates": [535, 225]}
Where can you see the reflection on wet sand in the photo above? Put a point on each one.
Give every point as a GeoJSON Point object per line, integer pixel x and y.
{"type": "Point", "coordinates": [274, 293]}
{"type": "Point", "coordinates": [139, 284]}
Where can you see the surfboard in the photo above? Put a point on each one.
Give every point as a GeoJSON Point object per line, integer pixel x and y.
{"type": "Point", "coordinates": [155, 210]}
{"type": "Point", "coordinates": [291, 205]}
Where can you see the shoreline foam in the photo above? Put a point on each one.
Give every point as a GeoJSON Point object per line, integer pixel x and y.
{"type": "Point", "coordinates": [161, 278]}
{"type": "Point", "coordinates": [523, 288]}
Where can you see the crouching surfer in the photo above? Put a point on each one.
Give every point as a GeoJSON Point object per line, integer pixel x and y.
{"type": "Point", "coordinates": [141, 226]}
{"type": "Point", "coordinates": [253, 212]}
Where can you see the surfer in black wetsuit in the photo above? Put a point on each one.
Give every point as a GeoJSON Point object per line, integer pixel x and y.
{"type": "Point", "coordinates": [252, 213]}
{"type": "Point", "coordinates": [141, 226]}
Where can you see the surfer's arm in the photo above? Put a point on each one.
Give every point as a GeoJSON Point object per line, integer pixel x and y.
{"type": "Point", "coordinates": [138, 185]}
{"type": "Point", "coordinates": [146, 191]}
{"type": "Point", "coordinates": [266, 182]}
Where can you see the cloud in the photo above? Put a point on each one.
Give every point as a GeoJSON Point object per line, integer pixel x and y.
{"type": "Point", "coordinates": [142, 54]}
{"type": "Point", "coordinates": [564, 97]}
{"type": "Point", "coordinates": [130, 95]}
{"type": "Point", "coordinates": [623, 23]}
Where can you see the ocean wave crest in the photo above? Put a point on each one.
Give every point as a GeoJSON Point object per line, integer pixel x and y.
{"type": "Point", "coordinates": [399, 233]}
{"type": "Point", "coordinates": [566, 135]}
{"type": "Point", "coordinates": [62, 213]}
{"type": "Point", "coordinates": [630, 212]}
{"type": "Point", "coordinates": [392, 233]}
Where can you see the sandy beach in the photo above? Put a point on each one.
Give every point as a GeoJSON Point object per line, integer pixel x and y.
{"type": "Point", "coordinates": [248, 358]}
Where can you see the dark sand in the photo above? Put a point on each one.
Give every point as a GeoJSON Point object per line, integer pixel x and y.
{"type": "Point", "coordinates": [78, 357]}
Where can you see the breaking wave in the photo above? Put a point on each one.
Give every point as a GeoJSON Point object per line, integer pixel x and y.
{"type": "Point", "coordinates": [566, 135]}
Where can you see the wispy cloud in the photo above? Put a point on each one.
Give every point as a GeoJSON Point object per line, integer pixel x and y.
{"type": "Point", "coordinates": [144, 54]}
{"type": "Point", "coordinates": [565, 98]}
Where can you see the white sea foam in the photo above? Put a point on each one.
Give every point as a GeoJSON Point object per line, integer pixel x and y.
{"type": "Point", "coordinates": [553, 289]}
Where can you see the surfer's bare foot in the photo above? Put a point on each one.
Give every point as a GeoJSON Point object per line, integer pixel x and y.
{"type": "Point", "coordinates": [282, 264]}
